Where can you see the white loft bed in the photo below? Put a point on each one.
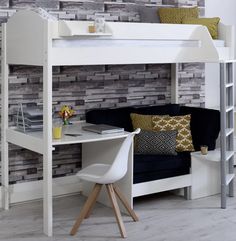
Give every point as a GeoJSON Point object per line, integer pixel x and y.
{"type": "Point", "coordinates": [30, 39]}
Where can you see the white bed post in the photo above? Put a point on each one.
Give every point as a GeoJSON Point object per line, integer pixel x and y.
{"type": "Point", "coordinates": [47, 133]}
{"type": "Point", "coordinates": [174, 84]}
{"type": "Point", "coordinates": [4, 151]}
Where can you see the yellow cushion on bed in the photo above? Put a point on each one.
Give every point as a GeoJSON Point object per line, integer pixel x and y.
{"type": "Point", "coordinates": [210, 23]}
{"type": "Point", "coordinates": [176, 15]}
{"type": "Point", "coordinates": [141, 121]}
{"type": "Point", "coordinates": [184, 140]}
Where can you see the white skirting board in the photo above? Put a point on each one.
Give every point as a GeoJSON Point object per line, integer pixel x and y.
{"type": "Point", "coordinates": [28, 191]}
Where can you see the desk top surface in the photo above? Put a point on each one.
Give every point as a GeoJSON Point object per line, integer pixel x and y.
{"type": "Point", "coordinates": [82, 137]}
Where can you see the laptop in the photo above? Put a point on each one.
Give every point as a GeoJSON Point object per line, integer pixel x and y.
{"type": "Point", "coordinates": [102, 129]}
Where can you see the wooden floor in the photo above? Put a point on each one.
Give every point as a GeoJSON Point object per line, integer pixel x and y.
{"type": "Point", "coordinates": [163, 217]}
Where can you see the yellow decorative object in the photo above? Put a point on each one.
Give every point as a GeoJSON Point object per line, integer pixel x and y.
{"type": "Point", "coordinates": [56, 132]}
{"type": "Point", "coordinates": [91, 29]}
{"type": "Point", "coordinates": [181, 124]}
{"type": "Point", "coordinates": [65, 113]}
{"type": "Point", "coordinates": [210, 23]}
{"type": "Point", "coordinates": [176, 15]}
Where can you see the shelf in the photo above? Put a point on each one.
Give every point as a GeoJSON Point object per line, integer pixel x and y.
{"type": "Point", "coordinates": [93, 34]}
{"type": "Point", "coordinates": [214, 156]}
{"type": "Point", "coordinates": [31, 140]}
{"type": "Point", "coordinates": [79, 28]}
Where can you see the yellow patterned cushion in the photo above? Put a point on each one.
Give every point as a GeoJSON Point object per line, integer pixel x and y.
{"type": "Point", "coordinates": [176, 15]}
{"type": "Point", "coordinates": [210, 23]}
{"type": "Point", "coordinates": [179, 123]}
{"type": "Point", "coordinates": [141, 121]}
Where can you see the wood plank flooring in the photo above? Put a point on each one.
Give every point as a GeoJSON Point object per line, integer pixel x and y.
{"type": "Point", "coordinates": [163, 217]}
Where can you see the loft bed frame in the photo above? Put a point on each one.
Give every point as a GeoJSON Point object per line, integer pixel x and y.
{"type": "Point", "coordinates": [31, 39]}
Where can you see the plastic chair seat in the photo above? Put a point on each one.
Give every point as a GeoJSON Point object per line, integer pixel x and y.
{"type": "Point", "coordinates": [94, 173]}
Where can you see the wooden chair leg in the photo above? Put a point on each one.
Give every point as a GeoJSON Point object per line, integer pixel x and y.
{"type": "Point", "coordinates": [116, 209]}
{"type": "Point", "coordinates": [86, 208]}
{"type": "Point", "coordinates": [94, 201]}
{"type": "Point", "coordinates": [125, 203]}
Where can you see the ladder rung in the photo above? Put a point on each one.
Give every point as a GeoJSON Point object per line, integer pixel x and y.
{"type": "Point", "coordinates": [229, 154]}
{"type": "Point", "coordinates": [229, 85]}
{"type": "Point", "coordinates": [229, 131]}
{"type": "Point", "coordinates": [229, 178]}
{"type": "Point", "coordinates": [229, 108]}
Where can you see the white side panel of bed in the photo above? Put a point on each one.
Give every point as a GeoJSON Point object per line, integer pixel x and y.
{"type": "Point", "coordinates": [25, 32]}
{"type": "Point", "coordinates": [227, 33]}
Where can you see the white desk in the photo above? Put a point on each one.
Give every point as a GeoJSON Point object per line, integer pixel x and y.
{"type": "Point", "coordinates": [96, 148]}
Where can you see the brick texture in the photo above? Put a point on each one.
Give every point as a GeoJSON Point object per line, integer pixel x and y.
{"type": "Point", "coordinates": [87, 87]}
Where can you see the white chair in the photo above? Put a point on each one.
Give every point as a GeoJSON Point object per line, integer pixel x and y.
{"type": "Point", "coordinates": [108, 175]}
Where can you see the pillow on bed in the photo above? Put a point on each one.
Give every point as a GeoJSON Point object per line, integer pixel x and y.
{"type": "Point", "coordinates": [152, 142]}
{"type": "Point", "coordinates": [143, 122]}
{"type": "Point", "coordinates": [176, 15]}
{"type": "Point", "coordinates": [210, 23]}
{"type": "Point", "coordinates": [148, 14]}
{"type": "Point", "coordinates": [179, 123]}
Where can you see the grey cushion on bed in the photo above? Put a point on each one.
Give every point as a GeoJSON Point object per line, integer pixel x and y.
{"type": "Point", "coordinates": [148, 14]}
{"type": "Point", "coordinates": [156, 142]}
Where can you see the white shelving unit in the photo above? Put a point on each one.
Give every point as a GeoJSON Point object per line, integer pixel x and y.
{"type": "Point", "coordinates": [47, 43]}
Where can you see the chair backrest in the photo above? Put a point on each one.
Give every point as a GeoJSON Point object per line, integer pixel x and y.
{"type": "Point", "coordinates": [119, 166]}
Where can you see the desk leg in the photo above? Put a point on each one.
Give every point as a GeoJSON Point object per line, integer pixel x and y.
{"type": "Point", "coordinates": [47, 133]}
{"type": "Point", "coordinates": [5, 175]}
{"type": "Point", "coordinates": [4, 124]}
{"type": "Point", "coordinates": [104, 152]}
{"type": "Point", "coordinates": [47, 193]}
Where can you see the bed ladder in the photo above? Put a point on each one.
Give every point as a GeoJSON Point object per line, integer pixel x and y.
{"type": "Point", "coordinates": [227, 130]}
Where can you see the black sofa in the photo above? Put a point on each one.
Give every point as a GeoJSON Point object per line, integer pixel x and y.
{"type": "Point", "coordinates": [205, 127]}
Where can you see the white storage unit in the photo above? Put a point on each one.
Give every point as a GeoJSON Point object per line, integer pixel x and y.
{"type": "Point", "coordinates": [31, 39]}
{"type": "Point", "coordinates": [205, 170]}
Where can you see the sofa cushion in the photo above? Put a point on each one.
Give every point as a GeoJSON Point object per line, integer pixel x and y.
{"type": "Point", "coordinates": [148, 14]}
{"type": "Point", "coordinates": [152, 176]}
{"type": "Point", "coordinates": [156, 142]}
{"type": "Point", "coordinates": [144, 122]}
{"type": "Point", "coordinates": [176, 15]}
{"type": "Point", "coordinates": [210, 23]}
{"type": "Point", "coordinates": [205, 126]}
{"type": "Point", "coordinates": [116, 117]}
{"type": "Point", "coordinates": [169, 109]}
{"type": "Point", "coordinates": [179, 123]}
{"type": "Point", "coordinates": [153, 163]}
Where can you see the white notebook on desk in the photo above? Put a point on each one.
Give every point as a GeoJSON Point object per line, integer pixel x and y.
{"type": "Point", "coordinates": [103, 129]}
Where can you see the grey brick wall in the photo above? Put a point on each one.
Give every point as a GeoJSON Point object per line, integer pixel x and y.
{"type": "Point", "coordinates": [87, 87]}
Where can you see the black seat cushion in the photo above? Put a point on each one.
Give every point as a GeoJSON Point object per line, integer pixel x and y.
{"type": "Point", "coordinates": [153, 167]}
{"type": "Point", "coordinates": [152, 163]}
{"type": "Point", "coordinates": [152, 176]}
{"type": "Point", "coordinates": [205, 126]}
